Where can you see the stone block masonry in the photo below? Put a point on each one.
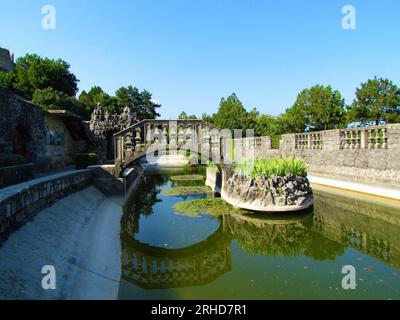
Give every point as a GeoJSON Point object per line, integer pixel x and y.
{"type": "Point", "coordinates": [20, 202]}
{"type": "Point", "coordinates": [50, 140]}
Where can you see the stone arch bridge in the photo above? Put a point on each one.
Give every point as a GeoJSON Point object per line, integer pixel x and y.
{"type": "Point", "coordinates": [167, 137]}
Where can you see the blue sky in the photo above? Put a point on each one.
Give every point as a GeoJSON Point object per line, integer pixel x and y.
{"type": "Point", "coordinates": [190, 53]}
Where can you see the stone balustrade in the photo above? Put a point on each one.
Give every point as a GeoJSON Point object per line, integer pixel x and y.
{"type": "Point", "coordinates": [134, 141]}
{"type": "Point", "coordinates": [365, 155]}
{"type": "Point", "coordinates": [311, 140]}
{"type": "Point", "coordinates": [364, 138]}
{"type": "Point", "coordinates": [374, 137]}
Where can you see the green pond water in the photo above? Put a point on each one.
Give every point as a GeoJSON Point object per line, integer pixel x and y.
{"type": "Point", "coordinates": [173, 255]}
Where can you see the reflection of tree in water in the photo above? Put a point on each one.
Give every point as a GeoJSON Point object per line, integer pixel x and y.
{"type": "Point", "coordinates": [142, 202]}
{"type": "Point", "coordinates": [281, 235]}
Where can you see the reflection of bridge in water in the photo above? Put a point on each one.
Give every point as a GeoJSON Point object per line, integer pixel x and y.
{"type": "Point", "coordinates": [153, 267]}
{"type": "Point", "coordinates": [336, 224]}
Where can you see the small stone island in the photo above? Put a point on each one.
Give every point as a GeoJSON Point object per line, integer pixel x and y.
{"type": "Point", "coordinates": [263, 185]}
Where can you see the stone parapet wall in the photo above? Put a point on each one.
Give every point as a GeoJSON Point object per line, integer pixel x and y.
{"type": "Point", "coordinates": [50, 139]}
{"type": "Point", "coordinates": [20, 202]}
{"type": "Point", "coordinates": [15, 174]}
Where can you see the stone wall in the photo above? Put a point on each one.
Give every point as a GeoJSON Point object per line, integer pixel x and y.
{"type": "Point", "coordinates": [20, 202]}
{"type": "Point", "coordinates": [60, 148]}
{"type": "Point", "coordinates": [50, 140]}
{"type": "Point", "coordinates": [23, 121]}
{"type": "Point", "coordinates": [365, 155]}
{"type": "Point", "coordinates": [6, 60]}
{"type": "Point", "coordinates": [15, 174]}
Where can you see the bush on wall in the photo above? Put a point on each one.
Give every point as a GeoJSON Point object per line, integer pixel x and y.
{"type": "Point", "coordinates": [83, 160]}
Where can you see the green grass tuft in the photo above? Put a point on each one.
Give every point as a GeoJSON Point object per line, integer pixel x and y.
{"type": "Point", "coordinates": [271, 167]}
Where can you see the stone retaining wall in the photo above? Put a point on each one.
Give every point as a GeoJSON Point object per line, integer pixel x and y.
{"type": "Point", "coordinates": [20, 202]}
{"type": "Point", "coordinates": [15, 174]}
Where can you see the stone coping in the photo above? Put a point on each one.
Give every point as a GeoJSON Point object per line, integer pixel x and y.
{"type": "Point", "coordinates": [392, 193]}
{"type": "Point", "coordinates": [13, 190]}
{"type": "Point", "coordinates": [30, 164]}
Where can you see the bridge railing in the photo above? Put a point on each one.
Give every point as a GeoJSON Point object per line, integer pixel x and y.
{"type": "Point", "coordinates": [134, 141]}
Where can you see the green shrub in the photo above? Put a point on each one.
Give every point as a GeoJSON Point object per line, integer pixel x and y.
{"type": "Point", "coordinates": [10, 159]}
{"type": "Point", "coordinates": [212, 165]}
{"type": "Point", "coordinates": [268, 167]}
{"type": "Point", "coordinates": [83, 160]}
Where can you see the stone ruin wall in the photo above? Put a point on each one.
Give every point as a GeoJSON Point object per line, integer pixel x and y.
{"type": "Point", "coordinates": [47, 141]}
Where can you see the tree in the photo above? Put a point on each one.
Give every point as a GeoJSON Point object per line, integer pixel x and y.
{"type": "Point", "coordinates": [33, 73]}
{"type": "Point", "coordinates": [317, 108]}
{"type": "Point", "coordinates": [50, 99]}
{"type": "Point", "coordinates": [208, 118]}
{"type": "Point", "coordinates": [266, 125]}
{"type": "Point", "coordinates": [140, 103]}
{"type": "Point", "coordinates": [231, 114]}
{"type": "Point", "coordinates": [6, 80]}
{"type": "Point", "coordinates": [184, 116]}
{"type": "Point", "coordinates": [96, 96]}
{"type": "Point", "coordinates": [377, 99]}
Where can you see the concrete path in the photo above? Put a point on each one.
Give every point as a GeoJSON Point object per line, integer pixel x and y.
{"type": "Point", "coordinates": [80, 236]}
{"type": "Point", "coordinates": [391, 193]}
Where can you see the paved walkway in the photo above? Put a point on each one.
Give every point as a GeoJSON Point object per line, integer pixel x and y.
{"type": "Point", "coordinates": [78, 235]}
{"type": "Point", "coordinates": [392, 193]}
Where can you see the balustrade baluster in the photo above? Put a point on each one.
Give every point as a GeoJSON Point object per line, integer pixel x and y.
{"type": "Point", "coordinates": [378, 138]}
{"type": "Point", "coordinates": [384, 138]}
{"type": "Point", "coordinates": [138, 147]}
{"type": "Point", "coordinates": [364, 137]}
{"type": "Point", "coordinates": [371, 139]}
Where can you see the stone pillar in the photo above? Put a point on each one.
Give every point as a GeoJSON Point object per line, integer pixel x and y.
{"type": "Point", "coordinates": [156, 135]}
{"type": "Point", "coordinates": [164, 135]}
{"type": "Point", "coordinates": [148, 134]}
{"type": "Point", "coordinates": [364, 137]}
{"type": "Point", "coordinates": [172, 134]}
{"type": "Point", "coordinates": [138, 147]}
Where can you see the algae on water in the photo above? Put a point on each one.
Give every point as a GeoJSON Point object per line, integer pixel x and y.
{"type": "Point", "coordinates": [187, 191]}
{"type": "Point", "coordinates": [212, 206]}
{"type": "Point", "coordinates": [189, 177]}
